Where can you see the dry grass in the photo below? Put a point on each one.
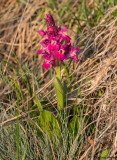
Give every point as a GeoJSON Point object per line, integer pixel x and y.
{"type": "Point", "coordinates": [96, 70]}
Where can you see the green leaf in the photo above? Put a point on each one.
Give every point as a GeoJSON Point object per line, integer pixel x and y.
{"type": "Point", "coordinates": [49, 123]}
{"type": "Point", "coordinates": [74, 125]}
{"type": "Point", "coordinates": [58, 72]}
{"type": "Point", "coordinates": [65, 89]}
{"type": "Point", "coordinates": [25, 149]}
{"type": "Point", "coordinates": [38, 103]}
{"type": "Point", "coordinates": [100, 94]}
{"type": "Point", "coordinates": [59, 93]}
{"type": "Point", "coordinates": [67, 72]}
{"type": "Point", "coordinates": [104, 154]}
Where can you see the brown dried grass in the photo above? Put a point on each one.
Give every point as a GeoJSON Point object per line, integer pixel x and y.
{"type": "Point", "coordinates": [99, 65]}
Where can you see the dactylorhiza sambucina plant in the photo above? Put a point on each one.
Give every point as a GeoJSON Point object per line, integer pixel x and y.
{"type": "Point", "coordinates": [56, 49]}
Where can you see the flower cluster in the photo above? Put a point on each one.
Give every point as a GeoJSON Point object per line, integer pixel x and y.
{"type": "Point", "coordinates": [56, 45]}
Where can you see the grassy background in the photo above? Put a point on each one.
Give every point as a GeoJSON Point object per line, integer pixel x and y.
{"type": "Point", "coordinates": [26, 89]}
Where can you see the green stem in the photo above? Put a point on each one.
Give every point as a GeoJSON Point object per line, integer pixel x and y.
{"type": "Point", "coordinates": [59, 88]}
{"type": "Point", "coordinates": [58, 72]}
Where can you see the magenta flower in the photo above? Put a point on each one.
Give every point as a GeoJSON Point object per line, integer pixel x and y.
{"type": "Point", "coordinates": [56, 45]}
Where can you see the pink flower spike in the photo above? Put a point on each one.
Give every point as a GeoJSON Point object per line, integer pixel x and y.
{"type": "Point", "coordinates": [42, 33]}
{"type": "Point", "coordinates": [73, 53]}
{"type": "Point", "coordinates": [75, 58]}
{"type": "Point", "coordinates": [63, 30]}
{"type": "Point", "coordinates": [50, 29]}
{"type": "Point", "coordinates": [53, 45]}
{"type": "Point", "coordinates": [53, 30]}
{"type": "Point", "coordinates": [66, 37]}
{"type": "Point", "coordinates": [46, 64]}
{"type": "Point", "coordinates": [56, 44]}
{"type": "Point", "coordinates": [40, 51]}
{"type": "Point", "coordinates": [74, 50]}
{"type": "Point", "coordinates": [50, 21]}
{"type": "Point", "coordinates": [45, 42]}
{"type": "Point", "coordinates": [60, 54]}
{"type": "Point", "coordinates": [65, 26]}
{"type": "Point", "coordinates": [77, 48]}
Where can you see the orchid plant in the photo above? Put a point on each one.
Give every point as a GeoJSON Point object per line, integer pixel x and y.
{"type": "Point", "coordinates": [56, 48]}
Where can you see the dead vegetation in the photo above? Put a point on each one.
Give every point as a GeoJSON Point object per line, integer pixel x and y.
{"type": "Point", "coordinates": [96, 70]}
